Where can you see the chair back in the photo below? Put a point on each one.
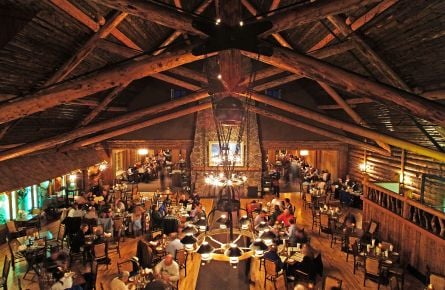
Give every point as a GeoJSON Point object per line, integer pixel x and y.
{"type": "Point", "coordinates": [270, 266]}
{"type": "Point", "coordinates": [393, 283]}
{"type": "Point", "coordinates": [100, 251]}
{"type": "Point", "coordinates": [355, 251]}
{"type": "Point", "coordinates": [181, 256]}
{"type": "Point", "coordinates": [61, 232]}
{"type": "Point", "coordinates": [324, 220]}
{"type": "Point", "coordinates": [98, 227]}
{"type": "Point", "coordinates": [10, 226]}
{"type": "Point", "coordinates": [438, 281]}
{"type": "Point", "coordinates": [330, 282]}
{"type": "Point", "coordinates": [308, 197]}
{"type": "Point", "coordinates": [373, 226]}
{"type": "Point", "coordinates": [372, 266]}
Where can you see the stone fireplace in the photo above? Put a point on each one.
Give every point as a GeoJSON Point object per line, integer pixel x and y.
{"type": "Point", "coordinates": [205, 132]}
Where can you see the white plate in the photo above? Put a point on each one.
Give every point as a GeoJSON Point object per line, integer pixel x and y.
{"type": "Point", "coordinates": [388, 261]}
{"type": "Point", "coordinates": [131, 279]}
{"type": "Point", "coordinates": [291, 260]}
{"type": "Point", "coordinates": [395, 253]}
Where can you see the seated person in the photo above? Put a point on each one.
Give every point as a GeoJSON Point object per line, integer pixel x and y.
{"type": "Point", "coordinates": [78, 240]}
{"type": "Point", "coordinates": [169, 223]}
{"type": "Point", "coordinates": [306, 265]}
{"type": "Point", "coordinates": [261, 217]}
{"type": "Point", "coordinates": [272, 255]}
{"type": "Point", "coordinates": [195, 198]}
{"type": "Point", "coordinates": [251, 207]}
{"type": "Point", "coordinates": [75, 211]}
{"type": "Point", "coordinates": [197, 213]}
{"type": "Point", "coordinates": [167, 270]}
{"type": "Point", "coordinates": [174, 244]}
{"type": "Point", "coordinates": [106, 221]}
{"type": "Point", "coordinates": [155, 217]}
{"type": "Point", "coordinates": [273, 217]}
{"type": "Point", "coordinates": [183, 200]}
{"type": "Point", "coordinates": [119, 206]}
{"type": "Point", "coordinates": [288, 205]}
{"type": "Point", "coordinates": [120, 282]}
{"type": "Point", "coordinates": [63, 281]}
{"type": "Point", "coordinates": [292, 231]}
{"type": "Point", "coordinates": [285, 217]}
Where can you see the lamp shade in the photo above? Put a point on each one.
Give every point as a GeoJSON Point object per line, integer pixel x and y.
{"type": "Point", "coordinates": [190, 230]}
{"type": "Point", "coordinates": [201, 224]}
{"type": "Point", "coordinates": [233, 252]}
{"type": "Point", "coordinates": [244, 222]}
{"type": "Point", "coordinates": [205, 250]}
{"type": "Point", "coordinates": [258, 246]}
{"type": "Point", "coordinates": [268, 237]}
{"type": "Point", "coordinates": [222, 221]}
{"type": "Point", "coordinates": [188, 242]}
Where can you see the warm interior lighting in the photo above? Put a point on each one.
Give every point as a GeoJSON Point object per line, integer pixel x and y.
{"type": "Point", "coordinates": [362, 167]}
{"type": "Point", "coordinates": [304, 152]}
{"type": "Point", "coordinates": [72, 177]}
{"type": "Point", "coordinates": [143, 151]}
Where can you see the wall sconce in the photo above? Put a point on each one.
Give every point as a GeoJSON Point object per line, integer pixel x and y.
{"type": "Point", "coordinates": [304, 152]}
{"type": "Point", "coordinates": [364, 167]}
{"type": "Point", "coordinates": [142, 151]}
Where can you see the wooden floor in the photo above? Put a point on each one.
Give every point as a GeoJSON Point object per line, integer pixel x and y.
{"type": "Point", "coordinates": [333, 260]}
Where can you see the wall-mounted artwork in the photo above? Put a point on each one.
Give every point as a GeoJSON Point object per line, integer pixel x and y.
{"type": "Point", "coordinates": [214, 157]}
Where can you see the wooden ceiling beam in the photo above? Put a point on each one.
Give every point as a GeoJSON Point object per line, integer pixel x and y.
{"type": "Point", "coordinates": [137, 126]}
{"type": "Point", "coordinates": [155, 13]}
{"type": "Point", "coordinates": [350, 102]}
{"type": "Point", "coordinates": [102, 105]}
{"type": "Point", "coordinates": [356, 84]}
{"type": "Point", "coordinates": [199, 10]}
{"type": "Point", "coordinates": [91, 129]}
{"type": "Point", "coordinates": [312, 12]}
{"type": "Point", "coordinates": [190, 74]}
{"type": "Point", "coordinates": [118, 49]}
{"type": "Point", "coordinates": [362, 20]}
{"type": "Point", "coordinates": [351, 113]}
{"type": "Point", "coordinates": [80, 16]}
{"type": "Point", "coordinates": [114, 20]}
{"type": "Point", "coordinates": [176, 82]}
{"type": "Point", "coordinates": [352, 128]}
{"type": "Point", "coordinates": [317, 130]}
{"type": "Point", "coordinates": [93, 104]}
{"type": "Point", "coordinates": [95, 82]}
{"type": "Point", "coordinates": [277, 82]}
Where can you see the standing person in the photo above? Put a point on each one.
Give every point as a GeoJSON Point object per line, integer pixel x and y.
{"type": "Point", "coordinates": [276, 183]}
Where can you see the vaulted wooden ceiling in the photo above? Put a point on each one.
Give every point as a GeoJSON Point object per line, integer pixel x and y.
{"type": "Point", "coordinates": [70, 70]}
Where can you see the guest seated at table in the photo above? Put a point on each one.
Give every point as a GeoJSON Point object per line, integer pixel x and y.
{"type": "Point", "coordinates": [91, 213]}
{"type": "Point", "coordinates": [136, 219]}
{"type": "Point", "coordinates": [168, 270]}
{"type": "Point", "coordinates": [75, 211]}
{"type": "Point", "coordinates": [276, 201]}
{"type": "Point", "coordinates": [174, 244]}
{"type": "Point", "coordinates": [197, 213]}
{"type": "Point", "coordinates": [120, 282]}
{"type": "Point", "coordinates": [292, 231]}
{"type": "Point", "coordinates": [195, 198]}
{"type": "Point", "coordinates": [273, 217]}
{"type": "Point", "coordinates": [78, 240]}
{"type": "Point", "coordinates": [252, 206]}
{"type": "Point", "coordinates": [106, 221]}
{"type": "Point", "coordinates": [169, 223]}
{"type": "Point", "coordinates": [272, 255]}
{"type": "Point", "coordinates": [307, 264]}
{"type": "Point", "coordinates": [107, 196]}
{"type": "Point", "coordinates": [261, 217]}
{"type": "Point", "coordinates": [119, 206]}
{"type": "Point", "coordinates": [157, 284]}
{"type": "Point", "coordinates": [99, 233]}
{"type": "Point", "coordinates": [288, 205]}
{"type": "Point", "coordinates": [63, 281]}
{"type": "Point", "coordinates": [155, 217]}
{"type": "Point", "coordinates": [183, 200]}
{"type": "Point", "coordinates": [285, 217]}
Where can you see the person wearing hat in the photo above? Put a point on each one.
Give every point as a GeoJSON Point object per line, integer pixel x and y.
{"type": "Point", "coordinates": [120, 282]}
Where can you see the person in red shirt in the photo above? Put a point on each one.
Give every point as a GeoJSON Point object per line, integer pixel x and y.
{"type": "Point", "coordinates": [285, 217]}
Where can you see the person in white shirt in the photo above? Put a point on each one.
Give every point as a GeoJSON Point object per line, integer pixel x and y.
{"type": "Point", "coordinates": [63, 281]}
{"type": "Point", "coordinates": [75, 211]}
{"type": "Point", "coordinates": [174, 244]}
{"type": "Point", "coordinates": [168, 270]}
{"type": "Point", "coordinates": [120, 282]}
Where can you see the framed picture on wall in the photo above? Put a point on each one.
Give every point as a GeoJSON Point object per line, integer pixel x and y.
{"type": "Point", "coordinates": [214, 156]}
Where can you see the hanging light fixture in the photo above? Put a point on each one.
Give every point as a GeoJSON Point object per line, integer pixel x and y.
{"type": "Point", "coordinates": [189, 242]}
{"type": "Point", "coordinates": [206, 251]}
{"type": "Point", "coordinates": [234, 252]}
{"type": "Point", "coordinates": [259, 247]}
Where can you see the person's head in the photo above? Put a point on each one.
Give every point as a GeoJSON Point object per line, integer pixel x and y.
{"type": "Point", "coordinates": [99, 231]}
{"type": "Point", "coordinates": [84, 228]}
{"type": "Point", "coordinates": [273, 248]}
{"type": "Point", "coordinates": [124, 276]}
{"type": "Point", "coordinates": [182, 196]}
{"type": "Point", "coordinates": [287, 200]}
{"type": "Point", "coordinates": [75, 205]}
{"type": "Point", "coordinates": [263, 213]}
{"type": "Point", "coordinates": [173, 236]}
{"type": "Point", "coordinates": [292, 221]}
{"type": "Point", "coordinates": [286, 212]}
{"type": "Point", "coordinates": [168, 260]}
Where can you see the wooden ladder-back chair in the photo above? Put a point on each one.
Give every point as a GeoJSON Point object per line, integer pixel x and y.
{"type": "Point", "coordinates": [271, 272]}
{"type": "Point", "coordinates": [372, 271]}
{"type": "Point", "coordinates": [16, 255]}
{"type": "Point", "coordinates": [181, 259]}
{"type": "Point", "coordinates": [100, 254]}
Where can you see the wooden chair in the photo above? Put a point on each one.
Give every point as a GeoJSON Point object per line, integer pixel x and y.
{"type": "Point", "coordinates": [181, 259]}
{"type": "Point", "coordinates": [280, 283]}
{"type": "Point", "coordinates": [118, 226]}
{"type": "Point", "coordinates": [438, 281]}
{"type": "Point", "coordinates": [349, 242]}
{"type": "Point", "coordinates": [16, 256]}
{"type": "Point", "coordinates": [315, 218]}
{"type": "Point", "coordinates": [398, 273]}
{"type": "Point", "coordinates": [271, 272]}
{"type": "Point", "coordinates": [5, 273]}
{"type": "Point", "coordinates": [308, 202]}
{"type": "Point", "coordinates": [372, 271]}
{"type": "Point", "coordinates": [100, 254]}
{"type": "Point", "coordinates": [325, 225]}
{"type": "Point", "coordinates": [14, 232]}
{"type": "Point", "coordinates": [393, 283]}
{"type": "Point", "coordinates": [359, 260]}
{"type": "Point", "coordinates": [330, 282]}
{"type": "Point", "coordinates": [336, 233]}
{"type": "Point", "coordinates": [115, 245]}
{"type": "Point", "coordinates": [58, 241]}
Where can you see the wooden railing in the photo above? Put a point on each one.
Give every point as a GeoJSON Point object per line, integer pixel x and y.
{"type": "Point", "coordinates": [421, 215]}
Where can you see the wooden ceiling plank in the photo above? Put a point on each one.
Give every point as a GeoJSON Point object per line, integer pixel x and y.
{"type": "Point", "coordinates": [93, 104]}
{"type": "Point", "coordinates": [362, 20]}
{"type": "Point", "coordinates": [176, 82]}
{"type": "Point", "coordinates": [91, 129]}
{"type": "Point", "coordinates": [312, 12]}
{"type": "Point", "coordinates": [155, 13]}
{"type": "Point", "coordinates": [137, 126]}
{"type": "Point", "coordinates": [190, 74]}
{"type": "Point", "coordinates": [274, 5]}
{"type": "Point", "coordinates": [351, 102]}
{"type": "Point", "coordinates": [356, 84]}
{"type": "Point", "coordinates": [355, 129]}
{"type": "Point", "coordinates": [277, 82]}
{"type": "Point", "coordinates": [351, 113]}
{"type": "Point", "coordinates": [76, 13]}
{"type": "Point", "coordinates": [95, 82]}
{"type": "Point", "coordinates": [317, 130]}
{"type": "Point", "coordinates": [116, 18]}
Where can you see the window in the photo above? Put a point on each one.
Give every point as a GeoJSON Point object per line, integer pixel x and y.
{"type": "Point", "coordinates": [177, 93]}
{"type": "Point", "coordinates": [4, 208]}
{"type": "Point", "coordinates": [274, 93]}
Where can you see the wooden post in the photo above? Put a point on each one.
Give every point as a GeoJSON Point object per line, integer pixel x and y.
{"type": "Point", "coordinates": [361, 131]}
{"type": "Point", "coordinates": [318, 70]}
{"type": "Point", "coordinates": [402, 170]}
